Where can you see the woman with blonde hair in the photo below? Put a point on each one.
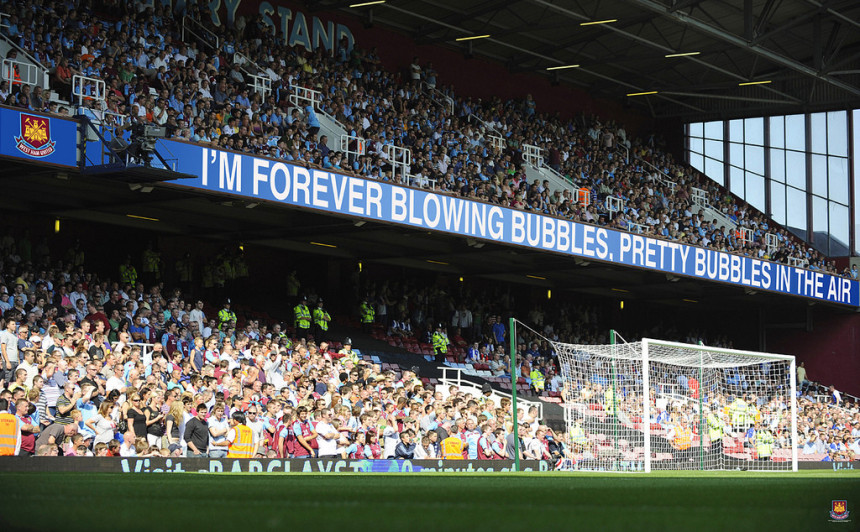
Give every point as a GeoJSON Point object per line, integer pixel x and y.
{"type": "Point", "coordinates": [174, 422]}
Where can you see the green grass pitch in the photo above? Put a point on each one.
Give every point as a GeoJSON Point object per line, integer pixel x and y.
{"type": "Point", "coordinates": [661, 501]}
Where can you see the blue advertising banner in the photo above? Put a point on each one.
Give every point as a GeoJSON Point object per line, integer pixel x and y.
{"type": "Point", "coordinates": [39, 138]}
{"type": "Point", "coordinates": [262, 178]}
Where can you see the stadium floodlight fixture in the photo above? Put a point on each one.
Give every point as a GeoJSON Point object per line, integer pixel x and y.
{"type": "Point", "coordinates": [683, 54]}
{"type": "Point", "coordinates": [147, 218]}
{"type": "Point", "coordinates": [595, 22]}
{"type": "Point", "coordinates": [363, 4]}
{"type": "Point", "coordinates": [641, 93]}
{"type": "Point", "coordinates": [472, 38]}
{"type": "Point", "coordinates": [562, 67]}
{"type": "Point", "coordinates": [763, 82]}
{"type": "Point", "coordinates": [323, 245]}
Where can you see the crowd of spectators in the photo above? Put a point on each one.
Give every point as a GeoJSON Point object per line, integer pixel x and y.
{"type": "Point", "coordinates": [92, 366]}
{"type": "Point", "coordinates": [205, 95]}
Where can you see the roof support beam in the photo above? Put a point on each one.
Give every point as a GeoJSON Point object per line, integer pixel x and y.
{"type": "Point", "coordinates": [752, 47]}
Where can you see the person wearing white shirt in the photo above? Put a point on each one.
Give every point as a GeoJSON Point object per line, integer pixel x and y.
{"type": "Point", "coordinates": [327, 435]}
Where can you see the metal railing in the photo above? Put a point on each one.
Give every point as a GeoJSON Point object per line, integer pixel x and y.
{"type": "Point", "coordinates": [488, 129]}
{"type": "Point", "coordinates": [196, 28]}
{"type": "Point", "coordinates": [637, 228]}
{"type": "Point", "coordinates": [457, 380]}
{"type": "Point", "coordinates": [87, 88]}
{"type": "Point", "coordinates": [533, 155]}
{"type": "Point", "coordinates": [18, 72]}
{"type": "Point", "coordinates": [744, 234]}
{"type": "Point", "coordinates": [353, 146]}
{"type": "Point", "coordinates": [262, 83]}
{"type": "Point", "coordinates": [435, 93]}
{"type": "Point", "coordinates": [401, 159]}
{"type": "Point", "coordinates": [798, 262]}
{"type": "Point", "coordinates": [497, 142]}
{"type": "Point", "coordinates": [771, 242]}
{"type": "Point", "coordinates": [613, 204]}
{"type": "Point", "coordinates": [420, 181]}
{"type": "Point", "coordinates": [302, 97]}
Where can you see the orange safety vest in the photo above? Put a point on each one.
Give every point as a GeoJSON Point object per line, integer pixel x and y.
{"type": "Point", "coordinates": [452, 448]}
{"type": "Point", "coordinates": [243, 445]}
{"type": "Point", "coordinates": [10, 431]}
{"type": "Point", "coordinates": [683, 438]}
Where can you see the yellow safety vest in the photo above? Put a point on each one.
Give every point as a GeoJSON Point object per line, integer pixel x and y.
{"type": "Point", "coordinates": [577, 435]}
{"type": "Point", "coordinates": [10, 430]}
{"type": "Point", "coordinates": [452, 448]}
{"type": "Point", "coordinates": [243, 445]}
{"type": "Point", "coordinates": [538, 381]}
{"type": "Point", "coordinates": [764, 443]}
{"type": "Point", "coordinates": [303, 316]}
{"type": "Point", "coordinates": [321, 318]}
{"type": "Point", "coordinates": [683, 438]}
{"type": "Point", "coordinates": [367, 313]}
{"type": "Point", "coordinates": [440, 343]}
{"type": "Point", "coordinates": [716, 427]}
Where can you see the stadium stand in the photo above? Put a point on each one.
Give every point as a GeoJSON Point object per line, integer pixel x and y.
{"type": "Point", "coordinates": [254, 94]}
{"type": "Point", "coordinates": [122, 367]}
{"type": "Point", "coordinates": [127, 368]}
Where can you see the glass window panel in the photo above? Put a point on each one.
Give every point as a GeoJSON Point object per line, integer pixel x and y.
{"type": "Point", "coordinates": [697, 129]}
{"type": "Point", "coordinates": [795, 205]}
{"type": "Point", "coordinates": [714, 149]}
{"type": "Point", "coordinates": [777, 202]}
{"type": "Point", "coordinates": [818, 133]}
{"type": "Point", "coordinates": [838, 230]}
{"type": "Point", "coordinates": [754, 159]}
{"type": "Point", "coordinates": [754, 131]}
{"type": "Point", "coordinates": [736, 154]}
{"type": "Point", "coordinates": [777, 165]}
{"type": "Point", "coordinates": [819, 223]}
{"type": "Point", "coordinates": [795, 169]}
{"type": "Point", "coordinates": [837, 133]}
{"type": "Point", "coordinates": [736, 130]}
{"type": "Point", "coordinates": [819, 175]}
{"type": "Point", "coordinates": [795, 136]}
{"type": "Point", "coordinates": [856, 152]}
{"type": "Point", "coordinates": [755, 190]}
{"type": "Point", "coordinates": [737, 181]}
{"type": "Point", "coordinates": [697, 145]}
{"type": "Point", "coordinates": [714, 130]}
{"type": "Point", "coordinates": [777, 132]}
{"type": "Point", "coordinates": [837, 174]}
{"type": "Point", "coordinates": [715, 170]}
{"type": "Point", "coordinates": [697, 161]}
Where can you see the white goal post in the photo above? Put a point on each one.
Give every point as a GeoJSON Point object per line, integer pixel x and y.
{"type": "Point", "coordinates": [659, 405]}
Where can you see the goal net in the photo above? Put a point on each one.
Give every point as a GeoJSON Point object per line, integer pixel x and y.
{"type": "Point", "coordinates": [657, 405]}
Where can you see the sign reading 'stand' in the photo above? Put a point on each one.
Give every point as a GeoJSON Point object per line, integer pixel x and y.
{"type": "Point", "coordinates": [268, 179]}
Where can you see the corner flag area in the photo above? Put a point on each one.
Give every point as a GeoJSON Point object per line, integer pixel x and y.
{"type": "Point", "coordinates": [666, 501]}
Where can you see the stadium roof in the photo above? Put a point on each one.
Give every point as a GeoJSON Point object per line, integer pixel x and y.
{"type": "Point", "coordinates": [808, 51]}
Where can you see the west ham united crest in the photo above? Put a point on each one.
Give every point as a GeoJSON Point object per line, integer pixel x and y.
{"type": "Point", "coordinates": [839, 510]}
{"type": "Point", "coordinates": [35, 139]}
